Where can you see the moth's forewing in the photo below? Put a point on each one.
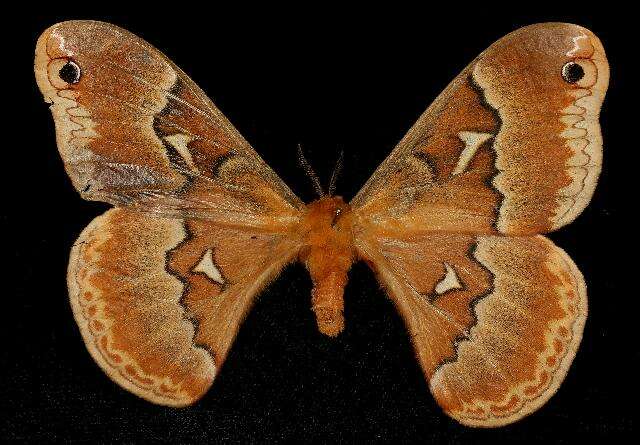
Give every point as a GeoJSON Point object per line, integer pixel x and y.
{"type": "Point", "coordinates": [512, 145]}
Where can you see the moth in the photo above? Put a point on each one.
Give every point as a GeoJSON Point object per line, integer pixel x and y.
{"type": "Point", "coordinates": [452, 222]}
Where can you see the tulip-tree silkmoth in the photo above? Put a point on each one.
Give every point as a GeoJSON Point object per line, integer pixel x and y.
{"type": "Point", "coordinates": [451, 222]}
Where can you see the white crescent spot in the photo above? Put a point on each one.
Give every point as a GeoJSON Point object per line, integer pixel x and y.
{"type": "Point", "coordinates": [472, 141]}
{"type": "Point", "coordinates": [450, 281]}
{"type": "Point", "coordinates": [208, 267]}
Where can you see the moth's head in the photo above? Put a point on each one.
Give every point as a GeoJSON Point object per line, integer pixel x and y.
{"type": "Point", "coordinates": [542, 63]}
{"type": "Point", "coordinates": [329, 208]}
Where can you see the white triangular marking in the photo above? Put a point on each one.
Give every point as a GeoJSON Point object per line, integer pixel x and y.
{"type": "Point", "coordinates": [179, 142]}
{"type": "Point", "coordinates": [472, 141]}
{"type": "Point", "coordinates": [207, 267]}
{"type": "Point", "coordinates": [450, 281]}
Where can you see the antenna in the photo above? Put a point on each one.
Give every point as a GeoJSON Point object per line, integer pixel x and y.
{"type": "Point", "coordinates": [302, 160]}
{"type": "Point", "coordinates": [336, 173]}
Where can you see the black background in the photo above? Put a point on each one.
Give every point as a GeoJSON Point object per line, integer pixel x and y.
{"type": "Point", "coordinates": [329, 79]}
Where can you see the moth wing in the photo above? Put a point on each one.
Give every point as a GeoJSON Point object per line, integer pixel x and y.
{"type": "Point", "coordinates": [160, 285]}
{"type": "Point", "coordinates": [495, 321]}
{"type": "Point", "coordinates": [159, 300]}
{"type": "Point", "coordinates": [134, 130]}
{"type": "Point", "coordinates": [512, 145]}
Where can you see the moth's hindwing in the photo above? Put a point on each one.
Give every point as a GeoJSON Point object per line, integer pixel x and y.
{"type": "Point", "coordinates": [495, 321]}
{"type": "Point", "coordinates": [159, 300]}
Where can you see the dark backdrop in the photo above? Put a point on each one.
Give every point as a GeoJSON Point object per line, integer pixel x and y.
{"type": "Point", "coordinates": [329, 79]}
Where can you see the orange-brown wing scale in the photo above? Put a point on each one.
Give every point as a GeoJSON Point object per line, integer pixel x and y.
{"type": "Point", "coordinates": [511, 148]}
{"type": "Point", "coordinates": [160, 300]}
{"type": "Point", "coordinates": [134, 130]}
{"type": "Point", "coordinates": [495, 321]}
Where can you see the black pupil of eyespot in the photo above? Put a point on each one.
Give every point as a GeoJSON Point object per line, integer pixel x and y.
{"type": "Point", "coordinates": [572, 72]}
{"type": "Point", "coordinates": [70, 72]}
